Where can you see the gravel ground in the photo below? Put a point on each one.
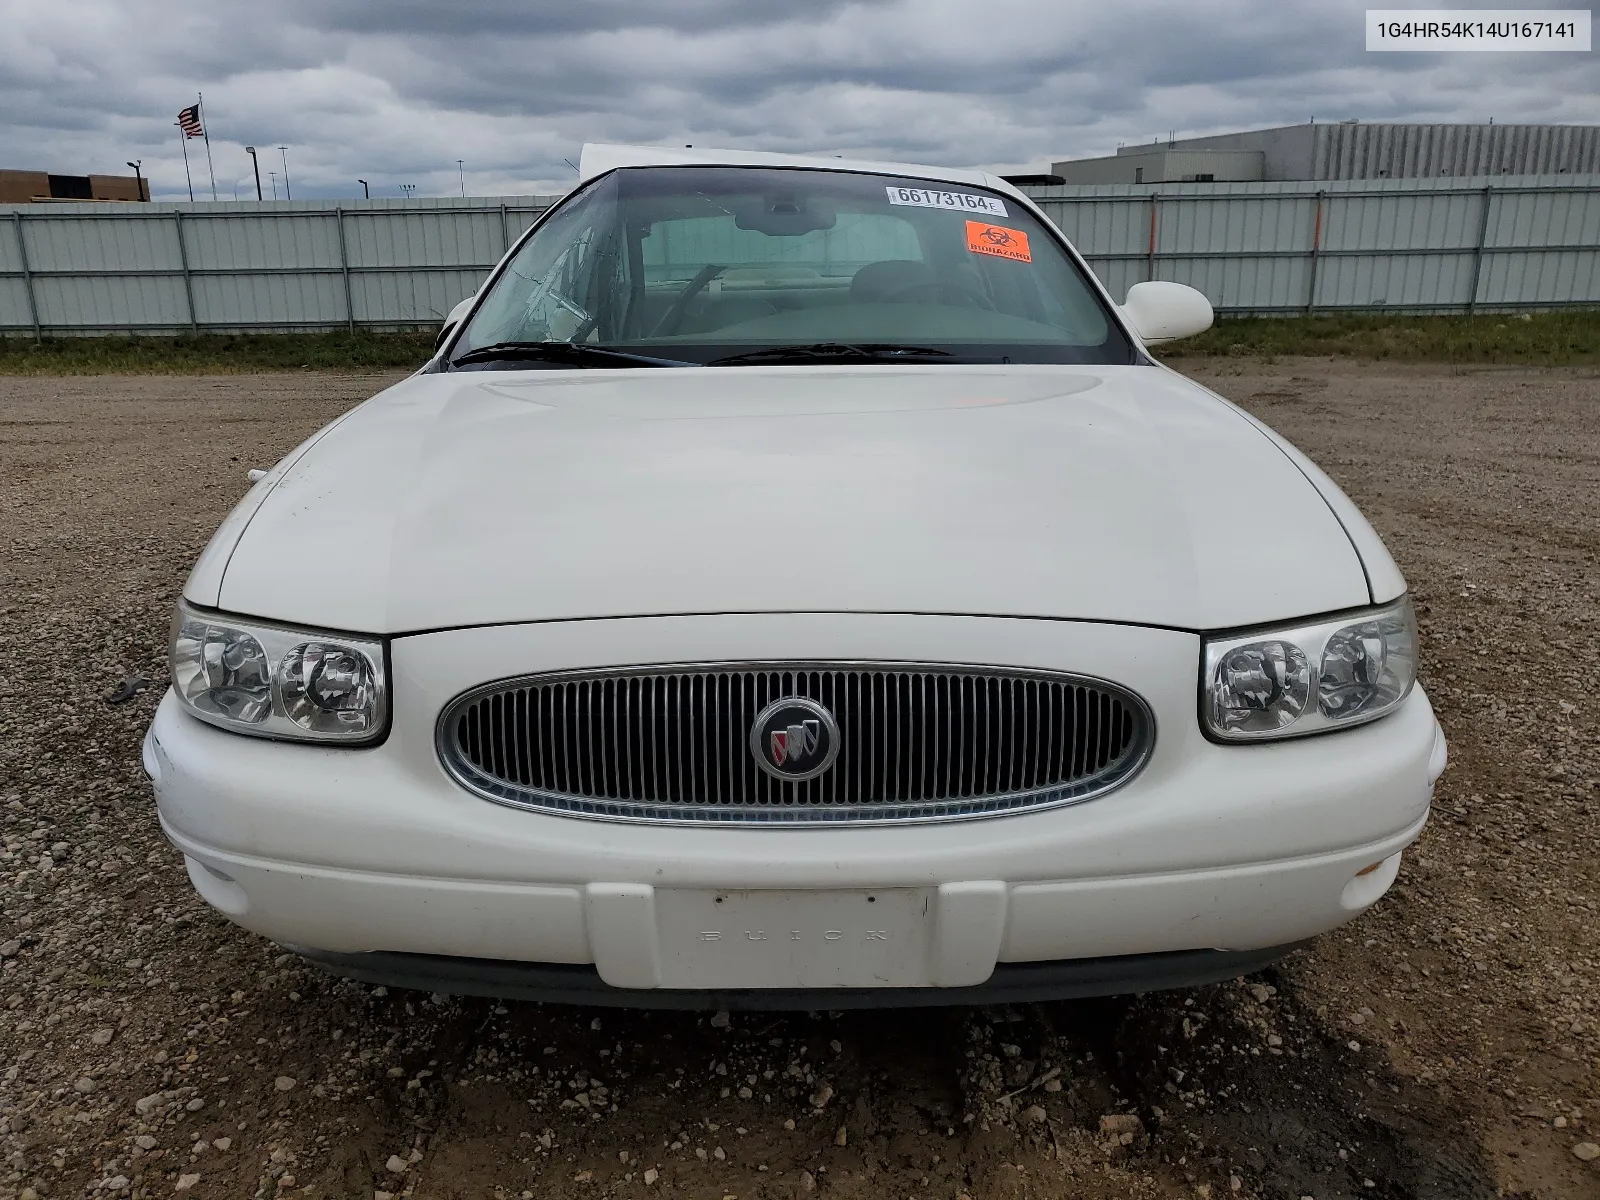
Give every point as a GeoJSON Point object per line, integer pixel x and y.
{"type": "Point", "coordinates": [1445, 1045]}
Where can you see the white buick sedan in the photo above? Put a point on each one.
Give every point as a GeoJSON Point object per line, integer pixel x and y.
{"type": "Point", "coordinates": [792, 583]}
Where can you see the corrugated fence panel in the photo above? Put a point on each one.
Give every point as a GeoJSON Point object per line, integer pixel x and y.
{"type": "Point", "coordinates": [15, 310]}
{"type": "Point", "coordinates": [423, 239]}
{"type": "Point", "coordinates": [108, 303]}
{"type": "Point", "coordinates": [14, 303]}
{"type": "Point", "coordinates": [1242, 252]}
{"type": "Point", "coordinates": [1242, 284]}
{"type": "Point", "coordinates": [280, 299]}
{"type": "Point", "coordinates": [243, 243]}
{"type": "Point", "coordinates": [392, 264]}
{"type": "Point", "coordinates": [1417, 222]}
{"type": "Point", "coordinates": [1551, 278]}
{"type": "Point", "coordinates": [1235, 225]}
{"type": "Point", "coordinates": [1380, 281]}
{"type": "Point", "coordinates": [65, 242]}
{"type": "Point", "coordinates": [1111, 226]}
{"type": "Point", "coordinates": [1437, 244]}
{"type": "Point", "coordinates": [1553, 219]}
{"type": "Point", "coordinates": [395, 298]}
{"type": "Point", "coordinates": [10, 256]}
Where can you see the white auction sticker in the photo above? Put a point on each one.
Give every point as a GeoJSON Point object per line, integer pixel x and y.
{"type": "Point", "coordinates": [961, 201]}
{"type": "Point", "coordinates": [1435, 29]}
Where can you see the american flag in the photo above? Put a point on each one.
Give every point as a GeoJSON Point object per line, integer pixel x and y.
{"type": "Point", "coordinates": [189, 121]}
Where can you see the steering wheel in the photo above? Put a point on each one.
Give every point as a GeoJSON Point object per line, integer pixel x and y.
{"type": "Point", "coordinates": [939, 291]}
{"type": "Point", "coordinates": [673, 317]}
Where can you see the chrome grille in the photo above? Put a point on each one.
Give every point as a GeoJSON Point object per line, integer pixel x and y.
{"type": "Point", "coordinates": [918, 742]}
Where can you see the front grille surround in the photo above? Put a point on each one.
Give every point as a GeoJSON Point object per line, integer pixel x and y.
{"type": "Point", "coordinates": [484, 740]}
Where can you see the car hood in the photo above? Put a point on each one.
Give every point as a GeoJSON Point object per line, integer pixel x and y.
{"type": "Point", "coordinates": [1124, 494]}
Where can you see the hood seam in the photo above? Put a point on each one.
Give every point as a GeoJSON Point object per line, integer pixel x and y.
{"type": "Point", "coordinates": [1271, 436]}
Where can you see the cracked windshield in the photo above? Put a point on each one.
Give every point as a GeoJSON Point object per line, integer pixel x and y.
{"type": "Point", "coordinates": [704, 264]}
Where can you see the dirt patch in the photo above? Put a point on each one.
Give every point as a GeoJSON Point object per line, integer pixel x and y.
{"type": "Point", "coordinates": [1443, 1046]}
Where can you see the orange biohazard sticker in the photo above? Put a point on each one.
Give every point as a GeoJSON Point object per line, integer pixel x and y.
{"type": "Point", "coordinates": [983, 238]}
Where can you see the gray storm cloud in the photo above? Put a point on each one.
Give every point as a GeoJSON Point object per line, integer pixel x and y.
{"type": "Point", "coordinates": [395, 91]}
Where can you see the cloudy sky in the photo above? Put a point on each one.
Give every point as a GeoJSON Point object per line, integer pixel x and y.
{"type": "Point", "coordinates": [395, 91]}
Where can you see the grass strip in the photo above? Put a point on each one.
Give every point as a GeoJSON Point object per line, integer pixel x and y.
{"type": "Point", "coordinates": [1553, 339]}
{"type": "Point", "coordinates": [214, 353]}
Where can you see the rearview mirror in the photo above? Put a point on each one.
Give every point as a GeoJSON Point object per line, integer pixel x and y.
{"type": "Point", "coordinates": [786, 215]}
{"type": "Point", "coordinates": [456, 316]}
{"type": "Point", "coordinates": [1164, 312]}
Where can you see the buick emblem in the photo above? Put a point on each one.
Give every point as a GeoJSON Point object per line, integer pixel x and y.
{"type": "Point", "coordinates": [794, 739]}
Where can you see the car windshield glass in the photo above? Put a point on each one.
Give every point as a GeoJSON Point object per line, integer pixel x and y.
{"type": "Point", "coordinates": [703, 264]}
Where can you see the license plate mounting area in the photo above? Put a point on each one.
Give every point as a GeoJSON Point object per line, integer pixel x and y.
{"type": "Point", "coordinates": [858, 938]}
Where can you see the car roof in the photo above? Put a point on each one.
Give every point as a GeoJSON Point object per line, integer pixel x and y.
{"type": "Point", "coordinates": [598, 158]}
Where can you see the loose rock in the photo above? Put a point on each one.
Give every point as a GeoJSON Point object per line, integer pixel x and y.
{"type": "Point", "coordinates": [1121, 1123]}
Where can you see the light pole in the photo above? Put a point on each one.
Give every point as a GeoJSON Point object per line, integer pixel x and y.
{"type": "Point", "coordinates": [274, 175]}
{"type": "Point", "coordinates": [409, 189]}
{"type": "Point", "coordinates": [138, 179]}
{"type": "Point", "coordinates": [366, 192]}
{"type": "Point", "coordinates": [287, 194]}
{"type": "Point", "coordinates": [462, 172]}
{"type": "Point", "coordinates": [256, 163]}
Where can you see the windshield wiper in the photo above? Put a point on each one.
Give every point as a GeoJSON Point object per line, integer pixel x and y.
{"type": "Point", "coordinates": [576, 353]}
{"type": "Point", "coordinates": [872, 351]}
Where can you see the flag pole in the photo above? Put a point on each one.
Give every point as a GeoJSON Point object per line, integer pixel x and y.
{"type": "Point", "coordinates": [205, 132]}
{"type": "Point", "coordinates": [183, 141]}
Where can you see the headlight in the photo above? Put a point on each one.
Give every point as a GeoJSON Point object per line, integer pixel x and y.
{"type": "Point", "coordinates": [1310, 678]}
{"type": "Point", "coordinates": [275, 681]}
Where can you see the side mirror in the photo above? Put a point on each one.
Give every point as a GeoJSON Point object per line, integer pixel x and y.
{"type": "Point", "coordinates": [1164, 312]}
{"type": "Point", "coordinates": [455, 317]}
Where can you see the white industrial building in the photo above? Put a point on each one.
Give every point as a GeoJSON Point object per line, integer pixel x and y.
{"type": "Point", "coordinates": [1348, 150]}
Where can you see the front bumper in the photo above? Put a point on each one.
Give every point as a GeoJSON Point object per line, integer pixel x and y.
{"type": "Point", "coordinates": [1230, 848]}
{"type": "Point", "coordinates": [1011, 983]}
